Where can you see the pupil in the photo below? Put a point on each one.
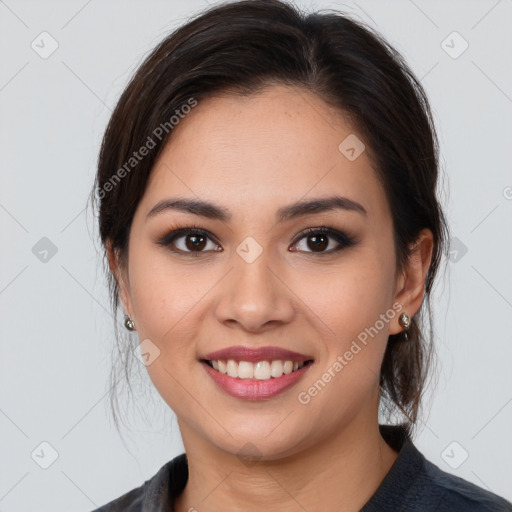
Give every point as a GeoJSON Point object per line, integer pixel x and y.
{"type": "Point", "coordinates": [197, 242]}
{"type": "Point", "coordinates": [320, 242]}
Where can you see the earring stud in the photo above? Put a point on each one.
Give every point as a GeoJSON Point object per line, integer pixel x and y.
{"type": "Point", "coordinates": [129, 323]}
{"type": "Point", "coordinates": [405, 321]}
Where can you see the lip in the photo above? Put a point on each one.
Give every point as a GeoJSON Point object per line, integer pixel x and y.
{"type": "Point", "coordinates": [253, 389]}
{"type": "Point", "coordinates": [253, 355]}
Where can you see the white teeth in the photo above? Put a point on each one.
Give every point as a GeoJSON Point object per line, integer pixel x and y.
{"type": "Point", "coordinates": [232, 368]}
{"type": "Point", "coordinates": [288, 367]}
{"type": "Point", "coordinates": [262, 370]}
{"type": "Point", "coordinates": [245, 370]}
{"type": "Point", "coordinates": [222, 367]}
{"type": "Point", "coordinates": [276, 369]}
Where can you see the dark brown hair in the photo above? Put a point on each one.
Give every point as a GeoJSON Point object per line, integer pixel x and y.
{"type": "Point", "coordinates": [241, 47]}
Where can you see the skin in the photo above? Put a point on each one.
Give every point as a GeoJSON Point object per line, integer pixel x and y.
{"type": "Point", "coordinates": [253, 155]}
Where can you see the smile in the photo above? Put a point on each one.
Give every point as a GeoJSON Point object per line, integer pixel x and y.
{"type": "Point", "coordinates": [261, 370]}
{"type": "Point", "coordinates": [263, 385]}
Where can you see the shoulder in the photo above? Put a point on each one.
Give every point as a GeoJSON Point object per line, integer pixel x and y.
{"type": "Point", "coordinates": [130, 502]}
{"type": "Point", "coordinates": [415, 484]}
{"type": "Point", "coordinates": [159, 490]}
{"type": "Point", "coordinates": [453, 493]}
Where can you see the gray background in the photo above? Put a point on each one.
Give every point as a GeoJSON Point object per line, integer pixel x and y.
{"type": "Point", "coordinates": [56, 329]}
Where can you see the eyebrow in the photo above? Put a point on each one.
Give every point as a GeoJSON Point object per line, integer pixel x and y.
{"type": "Point", "coordinates": [298, 209]}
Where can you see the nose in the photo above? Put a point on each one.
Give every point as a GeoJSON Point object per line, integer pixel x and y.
{"type": "Point", "coordinates": [254, 296]}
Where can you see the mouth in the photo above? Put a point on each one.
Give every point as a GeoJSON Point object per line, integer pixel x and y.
{"type": "Point", "coordinates": [260, 370]}
{"type": "Point", "coordinates": [255, 373]}
{"type": "Point", "coordinates": [262, 385]}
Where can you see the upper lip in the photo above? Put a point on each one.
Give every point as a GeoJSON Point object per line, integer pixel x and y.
{"type": "Point", "coordinates": [253, 355]}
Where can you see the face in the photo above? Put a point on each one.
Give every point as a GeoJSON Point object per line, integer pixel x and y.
{"type": "Point", "coordinates": [256, 278]}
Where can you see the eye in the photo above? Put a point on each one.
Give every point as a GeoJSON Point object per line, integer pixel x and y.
{"type": "Point", "coordinates": [192, 239]}
{"type": "Point", "coordinates": [319, 239]}
{"type": "Point", "coordinates": [189, 239]}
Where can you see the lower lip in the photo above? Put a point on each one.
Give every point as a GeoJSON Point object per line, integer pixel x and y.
{"type": "Point", "coordinates": [254, 389]}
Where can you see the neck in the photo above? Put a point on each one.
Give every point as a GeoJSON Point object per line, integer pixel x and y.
{"type": "Point", "coordinates": [339, 475]}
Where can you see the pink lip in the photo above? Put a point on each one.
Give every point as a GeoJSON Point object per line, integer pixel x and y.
{"type": "Point", "coordinates": [253, 389]}
{"type": "Point", "coordinates": [253, 355]}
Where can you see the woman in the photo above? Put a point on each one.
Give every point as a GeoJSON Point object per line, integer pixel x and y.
{"type": "Point", "coordinates": [267, 205]}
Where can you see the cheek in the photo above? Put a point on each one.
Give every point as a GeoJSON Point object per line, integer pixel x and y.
{"type": "Point", "coordinates": [163, 292]}
{"type": "Point", "coordinates": [354, 339]}
{"type": "Point", "coordinates": [171, 302]}
{"type": "Point", "coordinates": [166, 302]}
{"type": "Point", "coordinates": [351, 310]}
{"type": "Point", "coordinates": [345, 300]}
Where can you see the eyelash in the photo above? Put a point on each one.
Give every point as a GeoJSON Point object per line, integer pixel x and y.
{"type": "Point", "coordinates": [345, 241]}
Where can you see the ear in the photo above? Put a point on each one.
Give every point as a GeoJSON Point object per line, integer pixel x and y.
{"type": "Point", "coordinates": [121, 276]}
{"type": "Point", "coordinates": [410, 286]}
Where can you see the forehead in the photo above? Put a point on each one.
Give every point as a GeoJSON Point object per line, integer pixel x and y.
{"type": "Point", "coordinates": [268, 149]}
